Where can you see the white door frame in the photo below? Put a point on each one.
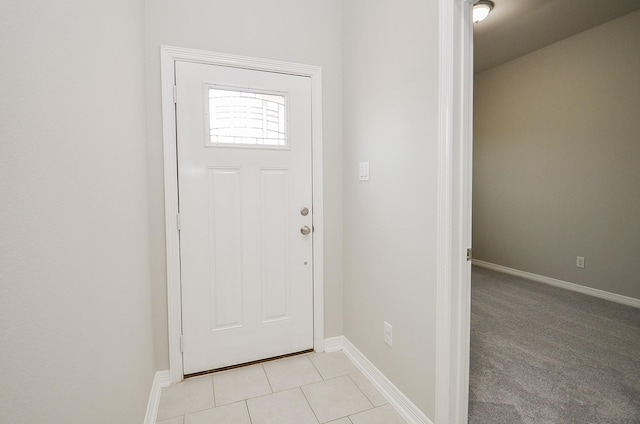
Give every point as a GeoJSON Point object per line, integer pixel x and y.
{"type": "Point", "coordinates": [169, 55]}
{"type": "Point", "coordinates": [455, 153]}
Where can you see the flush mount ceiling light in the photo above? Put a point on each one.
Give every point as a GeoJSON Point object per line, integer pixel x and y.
{"type": "Point", "coordinates": [481, 10]}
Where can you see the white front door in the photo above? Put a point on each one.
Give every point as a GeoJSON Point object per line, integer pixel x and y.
{"type": "Point", "coordinates": [245, 186]}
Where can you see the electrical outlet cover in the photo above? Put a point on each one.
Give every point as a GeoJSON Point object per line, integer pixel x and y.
{"type": "Point", "coordinates": [388, 334]}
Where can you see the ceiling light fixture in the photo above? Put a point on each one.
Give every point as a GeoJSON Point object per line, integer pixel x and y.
{"type": "Point", "coordinates": [481, 10]}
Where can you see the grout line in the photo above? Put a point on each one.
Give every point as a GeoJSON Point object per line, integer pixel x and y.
{"type": "Point", "coordinates": [213, 390]}
{"type": "Point", "coordinates": [246, 406]}
{"type": "Point", "coordinates": [317, 370]}
{"type": "Point", "coordinates": [267, 377]}
{"type": "Point", "coordinates": [361, 391]}
{"type": "Point", "coordinates": [309, 403]}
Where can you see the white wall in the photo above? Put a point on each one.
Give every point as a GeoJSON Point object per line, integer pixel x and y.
{"type": "Point", "coordinates": [390, 56]}
{"type": "Point", "coordinates": [557, 160]}
{"type": "Point", "coordinates": [75, 321]}
{"type": "Point", "coordinates": [302, 31]}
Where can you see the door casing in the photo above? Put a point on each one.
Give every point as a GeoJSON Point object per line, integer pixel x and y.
{"type": "Point", "coordinates": [169, 55]}
{"type": "Point", "coordinates": [455, 154]}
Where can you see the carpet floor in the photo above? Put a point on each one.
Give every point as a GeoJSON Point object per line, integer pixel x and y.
{"type": "Point", "coordinates": [544, 355]}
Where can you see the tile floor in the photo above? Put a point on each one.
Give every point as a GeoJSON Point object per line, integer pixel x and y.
{"type": "Point", "coordinates": [306, 389]}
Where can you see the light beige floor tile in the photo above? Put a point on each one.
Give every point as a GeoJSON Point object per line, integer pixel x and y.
{"type": "Point", "coordinates": [176, 420]}
{"type": "Point", "coordinates": [336, 398]}
{"type": "Point", "coordinates": [383, 415]}
{"type": "Point", "coordinates": [288, 407]}
{"type": "Point", "coordinates": [331, 365]}
{"type": "Point", "coordinates": [190, 395]}
{"type": "Point", "coordinates": [235, 413]}
{"type": "Point", "coordinates": [291, 372]}
{"type": "Point", "coordinates": [240, 384]}
{"type": "Point", "coordinates": [341, 421]}
{"type": "Point", "coordinates": [369, 390]}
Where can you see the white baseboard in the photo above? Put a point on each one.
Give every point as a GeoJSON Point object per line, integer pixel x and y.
{"type": "Point", "coordinates": [160, 380]}
{"type": "Point", "coordinates": [333, 344]}
{"type": "Point", "coordinates": [407, 409]}
{"type": "Point", "coordinates": [618, 298]}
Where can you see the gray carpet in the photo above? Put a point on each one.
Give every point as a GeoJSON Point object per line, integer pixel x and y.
{"type": "Point", "coordinates": [543, 355]}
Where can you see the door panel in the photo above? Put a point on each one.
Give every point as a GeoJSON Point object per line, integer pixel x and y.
{"type": "Point", "coordinates": [246, 268]}
{"type": "Point", "coordinates": [275, 252]}
{"type": "Point", "coordinates": [225, 262]}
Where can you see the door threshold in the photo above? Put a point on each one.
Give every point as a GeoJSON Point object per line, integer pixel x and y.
{"type": "Point", "coordinates": [246, 364]}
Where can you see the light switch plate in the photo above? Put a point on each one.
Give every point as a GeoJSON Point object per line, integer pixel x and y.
{"type": "Point", "coordinates": [364, 171]}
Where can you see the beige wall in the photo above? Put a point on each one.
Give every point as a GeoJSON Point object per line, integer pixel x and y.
{"type": "Point", "coordinates": [302, 31]}
{"type": "Point", "coordinates": [75, 319]}
{"type": "Point", "coordinates": [557, 160]}
{"type": "Point", "coordinates": [83, 293]}
{"type": "Point", "coordinates": [390, 120]}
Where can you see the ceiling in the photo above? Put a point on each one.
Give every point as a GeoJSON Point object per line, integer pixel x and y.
{"type": "Point", "coordinates": [517, 27]}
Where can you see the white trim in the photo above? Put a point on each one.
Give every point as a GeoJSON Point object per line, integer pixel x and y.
{"type": "Point", "coordinates": [334, 344]}
{"type": "Point", "coordinates": [454, 212]}
{"type": "Point", "coordinates": [407, 409]}
{"type": "Point", "coordinates": [613, 297]}
{"type": "Point", "coordinates": [444, 211]}
{"type": "Point", "coordinates": [174, 307]}
{"type": "Point", "coordinates": [169, 55]}
{"type": "Point", "coordinates": [160, 380]}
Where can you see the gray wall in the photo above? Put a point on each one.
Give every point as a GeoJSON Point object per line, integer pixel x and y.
{"type": "Point", "coordinates": [75, 317]}
{"type": "Point", "coordinates": [302, 31]}
{"type": "Point", "coordinates": [557, 160]}
{"type": "Point", "coordinates": [390, 55]}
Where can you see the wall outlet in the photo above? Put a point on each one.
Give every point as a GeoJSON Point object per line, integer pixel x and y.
{"type": "Point", "coordinates": [388, 334]}
{"type": "Point", "coordinates": [363, 169]}
{"type": "Point", "coordinates": [580, 261]}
